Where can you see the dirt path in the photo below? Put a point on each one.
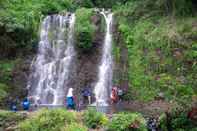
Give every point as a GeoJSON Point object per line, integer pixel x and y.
{"type": "Point", "coordinates": [153, 108]}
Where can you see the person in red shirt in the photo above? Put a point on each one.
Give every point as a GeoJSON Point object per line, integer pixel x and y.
{"type": "Point", "coordinates": [114, 95]}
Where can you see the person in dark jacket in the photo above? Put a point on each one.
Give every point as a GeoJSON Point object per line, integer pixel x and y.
{"type": "Point", "coordinates": [26, 104]}
{"type": "Point", "coordinates": [13, 107]}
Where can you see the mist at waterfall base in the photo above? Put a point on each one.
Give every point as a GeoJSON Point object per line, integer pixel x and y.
{"type": "Point", "coordinates": [50, 71]}
{"type": "Point", "coordinates": [102, 89]}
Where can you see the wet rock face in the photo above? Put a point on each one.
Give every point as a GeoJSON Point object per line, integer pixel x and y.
{"type": "Point", "coordinates": [120, 74]}
{"type": "Point", "coordinates": [87, 62]}
{"type": "Point", "coordinates": [20, 75]}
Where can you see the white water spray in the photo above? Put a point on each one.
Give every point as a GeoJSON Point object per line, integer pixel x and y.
{"type": "Point", "coordinates": [48, 82]}
{"type": "Point", "coordinates": [103, 86]}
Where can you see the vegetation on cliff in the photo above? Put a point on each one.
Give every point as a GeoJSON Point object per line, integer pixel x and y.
{"type": "Point", "coordinates": [84, 28]}
{"type": "Point", "coordinates": [161, 46]}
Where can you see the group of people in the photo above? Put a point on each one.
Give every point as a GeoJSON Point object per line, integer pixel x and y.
{"type": "Point", "coordinates": [115, 96]}
{"type": "Point", "coordinates": [25, 105]}
{"type": "Point", "coordinates": [71, 100]}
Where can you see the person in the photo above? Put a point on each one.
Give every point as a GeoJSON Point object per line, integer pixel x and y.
{"type": "Point", "coordinates": [26, 104]}
{"type": "Point", "coordinates": [13, 107]}
{"type": "Point", "coordinates": [70, 100]}
{"type": "Point", "coordinates": [87, 95]}
{"type": "Point", "coordinates": [120, 94]}
{"type": "Point", "coordinates": [114, 95]}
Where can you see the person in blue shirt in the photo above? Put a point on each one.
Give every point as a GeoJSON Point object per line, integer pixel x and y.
{"type": "Point", "coordinates": [87, 95]}
{"type": "Point", "coordinates": [26, 104]}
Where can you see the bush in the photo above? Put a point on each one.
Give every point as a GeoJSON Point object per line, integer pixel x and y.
{"type": "Point", "coordinates": [75, 127]}
{"type": "Point", "coordinates": [163, 122]}
{"type": "Point", "coordinates": [84, 28]}
{"type": "Point", "coordinates": [94, 119]}
{"type": "Point", "coordinates": [3, 92]}
{"type": "Point", "coordinates": [180, 121]}
{"type": "Point", "coordinates": [8, 118]}
{"type": "Point", "coordinates": [48, 120]}
{"type": "Point", "coordinates": [127, 122]}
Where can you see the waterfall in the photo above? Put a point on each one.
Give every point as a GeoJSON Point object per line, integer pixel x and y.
{"type": "Point", "coordinates": [50, 71]}
{"type": "Point", "coordinates": [103, 86]}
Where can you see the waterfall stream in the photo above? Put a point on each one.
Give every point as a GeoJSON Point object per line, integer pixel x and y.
{"type": "Point", "coordinates": [50, 71]}
{"type": "Point", "coordinates": [103, 86]}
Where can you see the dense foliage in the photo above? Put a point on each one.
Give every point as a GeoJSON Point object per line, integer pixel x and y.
{"type": "Point", "coordinates": [177, 121]}
{"type": "Point", "coordinates": [49, 120]}
{"type": "Point", "coordinates": [94, 119]}
{"type": "Point", "coordinates": [8, 119]}
{"type": "Point", "coordinates": [22, 18]}
{"type": "Point", "coordinates": [127, 122]}
{"type": "Point", "coordinates": [162, 50]}
{"type": "Point", "coordinates": [84, 28]}
{"type": "Point", "coordinates": [6, 67]}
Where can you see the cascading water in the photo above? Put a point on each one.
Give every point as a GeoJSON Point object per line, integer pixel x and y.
{"type": "Point", "coordinates": [50, 71]}
{"type": "Point", "coordinates": [103, 86]}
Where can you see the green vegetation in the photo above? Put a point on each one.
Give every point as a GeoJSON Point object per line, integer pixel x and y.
{"type": "Point", "coordinates": [9, 118]}
{"type": "Point", "coordinates": [63, 120]}
{"type": "Point", "coordinates": [94, 119]}
{"type": "Point", "coordinates": [181, 122]}
{"type": "Point", "coordinates": [49, 120]}
{"type": "Point", "coordinates": [178, 121]}
{"type": "Point", "coordinates": [84, 28]}
{"type": "Point", "coordinates": [127, 122]}
{"type": "Point", "coordinates": [6, 67]}
{"type": "Point", "coordinates": [75, 127]}
{"type": "Point", "coordinates": [22, 18]}
{"type": "Point", "coordinates": [99, 3]}
{"type": "Point", "coordinates": [161, 49]}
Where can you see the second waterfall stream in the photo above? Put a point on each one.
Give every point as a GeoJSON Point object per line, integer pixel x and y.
{"type": "Point", "coordinates": [103, 86]}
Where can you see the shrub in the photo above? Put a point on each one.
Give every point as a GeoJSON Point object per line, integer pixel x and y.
{"type": "Point", "coordinates": [8, 118]}
{"type": "Point", "coordinates": [163, 122]}
{"type": "Point", "coordinates": [84, 28]}
{"type": "Point", "coordinates": [127, 122]}
{"type": "Point", "coordinates": [48, 120]}
{"type": "Point", "coordinates": [75, 127]}
{"type": "Point", "coordinates": [94, 119]}
{"type": "Point", "coordinates": [180, 121]}
{"type": "Point", "coordinates": [3, 92]}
